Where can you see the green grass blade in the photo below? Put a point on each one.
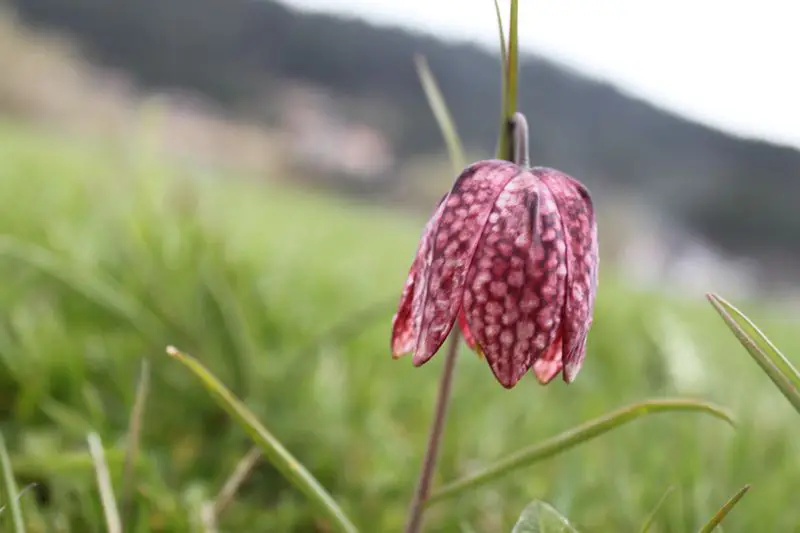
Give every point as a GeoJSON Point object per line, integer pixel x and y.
{"type": "Point", "coordinates": [20, 494]}
{"type": "Point", "coordinates": [134, 433]}
{"type": "Point", "coordinates": [510, 81]}
{"type": "Point", "coordinates": [502, 35]}
{"type": "Point", "coordinates": [782, 373]}
{"type": "Point", "coordinates": [572, 438]}
{"type": "Point", "coordinates": [101, 293]}
{"type": "Point", "coordinates": [442, 114]}
{"type": "Point", "coordinates": [723, 512]}
{"type": "Point", "coordinates": [512, 71]}
{"type": "Point", "coordinates": [273, 450]}
{"type": "Point", "coordinates": [501, 150]}
{"type": "Point", "coordinates": [759, 338]}
{"type": "Point", "coordinates": [10, 489]}
{"type": "Point", "coordinates": [66, 463]}
{"type": "Point", "coordinates": [235, 480]}
{"type": "Point", "coordinates": [648, 523]}
{"type": "Point", "coordinates": [107, 498]}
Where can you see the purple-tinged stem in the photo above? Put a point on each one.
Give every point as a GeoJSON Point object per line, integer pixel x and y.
{"type": "Point", "coordinates": [519, 139]}
{"type": "Point", "coordinates": [417, 509]}
{"type": "Point", "coordinates": [519, 154]}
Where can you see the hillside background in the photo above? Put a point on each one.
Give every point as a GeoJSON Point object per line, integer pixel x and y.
{"type": "Point", "coordinates": [265, 64]}
{"type": "Point", "coordinates": [248, 182]}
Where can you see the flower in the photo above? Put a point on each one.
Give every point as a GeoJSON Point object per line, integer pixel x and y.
{"type": "Point", "coordinates": [510, 253]}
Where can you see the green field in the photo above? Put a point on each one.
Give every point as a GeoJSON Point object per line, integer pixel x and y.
{"type": "Point", "coordinates": [107, 255]}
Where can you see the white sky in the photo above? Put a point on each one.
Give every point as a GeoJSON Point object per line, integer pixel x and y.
{"type": "Point", "coordinates": [732, 64]}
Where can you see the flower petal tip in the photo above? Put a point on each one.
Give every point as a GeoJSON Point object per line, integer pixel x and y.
{"type": "Point", "coordinates": [420, 359]}
{"type": "Point", "coordinates": [508, 385]}
{"type": "Point", "coordinates": [545, 371]}
{"type": "Point", "coordinates": [508, 380]}
{"type": "Point", "coordinates": [570, 373]}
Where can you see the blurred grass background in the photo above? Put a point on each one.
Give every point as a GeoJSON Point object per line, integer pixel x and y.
{"type": "Point", "coordinates": [108, 253]}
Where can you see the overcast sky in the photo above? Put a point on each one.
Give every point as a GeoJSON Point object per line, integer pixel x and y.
{"type": "Point", "coordinates": [731, 64]}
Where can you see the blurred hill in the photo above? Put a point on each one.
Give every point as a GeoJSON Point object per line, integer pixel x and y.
{"type": "Point", "coordinates": [735, 192]}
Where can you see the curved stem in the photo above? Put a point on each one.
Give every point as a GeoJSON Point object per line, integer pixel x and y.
{"type": "Point", "coordinates": [571, 438]}
{"type": "Point", "coordinates": [519, 136]}
{"type": "Point", "coordinates": [417, 509]}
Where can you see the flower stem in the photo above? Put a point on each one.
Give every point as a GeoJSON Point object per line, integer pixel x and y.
{"type": "Point", "coordinates": [510, 127]}
{"type": "Point", "coordinates": [520, 145]}
{"type": "Point", "coordinates": [415, 512]}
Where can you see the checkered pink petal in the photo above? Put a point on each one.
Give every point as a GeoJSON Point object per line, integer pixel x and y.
{"type": "Point", "coordinates": [511, 255]}
{"type": "Point", "coordinates": [576, 210]}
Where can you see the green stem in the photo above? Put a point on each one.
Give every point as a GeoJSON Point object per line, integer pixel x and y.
{"type": "Point", "coordinates": [571, 438]}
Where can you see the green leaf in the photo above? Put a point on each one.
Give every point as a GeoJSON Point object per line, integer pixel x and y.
{"type": "Point", "coordinates": [273, 450]}
{"type": "Point", "coordinates": [10, 489]}
{"type": "Point", "coordinates": [652, 516]}
{"type": "Point", "coordinates": [540, 517]}
{"type": "Point", "coordinates": [441, 113]}
{"type": "Point", "coordinates": [779, 369]}
{"type": "Point", "coordinates": [572, 438]}
{"type": "Point", "coordinates": [723, 512]}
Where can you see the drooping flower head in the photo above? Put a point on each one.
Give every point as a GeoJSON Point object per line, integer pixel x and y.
{"type": "Point", "coordinates": [511, 254]}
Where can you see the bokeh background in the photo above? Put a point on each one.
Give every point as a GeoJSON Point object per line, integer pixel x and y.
{"type": "Point", "coordinates": [247, 180]}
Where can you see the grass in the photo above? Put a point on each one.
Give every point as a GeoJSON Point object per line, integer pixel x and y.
{"type": "Point", "coordinates": [107, 255]}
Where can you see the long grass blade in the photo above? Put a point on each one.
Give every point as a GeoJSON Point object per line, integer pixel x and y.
{"type": "Point", "coordinates": [442, 114]}
{"type": "Point", "coordinates": [512, 70]}
{"type": "Point", "coordinates": [100, 292]}
{"type": "Point", "coordinates": [21, 493]}
{"type": "Point", "coordinates": [510, 77]}
{"type": "Point", "coordinates": [572, 438]}
{"type": "Point", "coordinates": [759, 338]}
{"type": "Point", "coordinates": [107, 498]}
{"type": "Point", "coordinates": [723, 512]}
{"type": "Point", "coordinates": [273, 450]}
{"type": "Point", "coordinates": [650, 520]}
{"type": "Point", "coordinates": [208, 520]}
{"type": "Point", "coordinates": [10, 489]}
{"type": "Point", "coordinates": [501, 150]}
{"type": "Point", "coordinates": [782, 373]}
{"type": "Point", "coordinates": [65, 464]}
{"type": "Point", "coordinates": [133, 437]}
{"type": "Point", "coordinates": [502, 35]}
{"type": "Point", "coordinates": [232, 484]}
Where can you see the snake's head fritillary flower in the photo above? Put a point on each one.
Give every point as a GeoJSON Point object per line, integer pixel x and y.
{"type": "Point", "coordinates": [511, 255]}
